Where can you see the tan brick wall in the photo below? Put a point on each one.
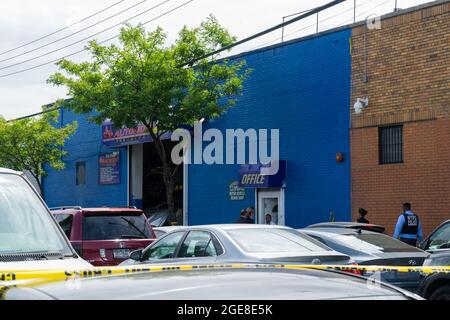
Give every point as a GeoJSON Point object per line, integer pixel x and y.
{"type": "Point", "coordinates": [408, 67]}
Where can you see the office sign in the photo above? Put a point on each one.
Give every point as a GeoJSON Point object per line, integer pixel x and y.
{"type": "Point", "coordinates": [250, 176]}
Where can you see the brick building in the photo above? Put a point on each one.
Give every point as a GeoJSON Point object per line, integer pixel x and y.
{"type": "Point", "coordinates": [399, 142]}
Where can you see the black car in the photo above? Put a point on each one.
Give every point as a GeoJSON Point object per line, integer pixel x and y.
{"type": "Point", "coordinates": [437, 286]}
{"type": "Point", "coordinates": [244, 283]}
{"type": "Point", "coordinates": [373, 248]}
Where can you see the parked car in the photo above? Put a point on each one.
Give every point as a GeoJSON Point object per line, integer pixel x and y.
{"type": "Point", "coordinates": [349, 225]}
{"type": "Point", "coordinates": [237, 284]}
{"type": "Point", "coordinates": [105, 236]}
{"type": "Point", "coordinates": [439, 239]}
{"type": "Point", "coordinates": [236, 243]}
{"type": "Point", "coordinates": [436, 286]}
{"type": "Point", "coordinates": [373, 248]}
{"type": "Point", "coordinates": [30, 238]}
{"type": "Point", "coordinates": [160, 231]}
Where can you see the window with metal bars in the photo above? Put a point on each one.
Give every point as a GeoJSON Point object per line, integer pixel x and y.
{"type": "Point", "coordinates": [391, 144]}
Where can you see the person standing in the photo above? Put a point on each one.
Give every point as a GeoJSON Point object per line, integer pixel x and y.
{"type": "Point", "coordinates": [250, 215]}
{"type": "Point", "coordinates": [243, 218]}
{"type": "Point", "coordinates": [269, 219]}
{"type": "Point", "coordinates": [408, 228]}
{"type": "Point", "coordinates": [362, 216]}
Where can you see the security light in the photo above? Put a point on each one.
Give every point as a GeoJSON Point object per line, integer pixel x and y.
{"type": "Point", "coordinates": [360, 104]}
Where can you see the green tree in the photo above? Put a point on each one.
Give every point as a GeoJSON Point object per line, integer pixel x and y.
{"type": "Point", "coordinates": [144, 80]}
{"type": "Point", "coordinates": [30, 144]}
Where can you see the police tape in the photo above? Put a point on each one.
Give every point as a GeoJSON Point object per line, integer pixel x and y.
{"type": "Point", "coordinates": [50, 274]}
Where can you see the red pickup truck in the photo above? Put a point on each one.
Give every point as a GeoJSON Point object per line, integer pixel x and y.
{"type": "Point", "coordinates": [105, 236]}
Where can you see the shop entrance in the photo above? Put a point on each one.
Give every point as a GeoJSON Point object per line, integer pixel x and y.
{"type": "Point", "coordinates": [153, 189]}
{"type": "Point", "coordinates": [270, 202]}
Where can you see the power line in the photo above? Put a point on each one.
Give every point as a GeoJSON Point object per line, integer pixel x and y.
{"type": "Point", "coordinates": [106, 40]}
{"type": "Point", "coordinates": [76, 42]}
{"type": "Point", "coordinates": [259, 34]}
{"type": "Point", "coordinates": [62, 29]}
{"type": "Point", "coordinates": [331, 17]}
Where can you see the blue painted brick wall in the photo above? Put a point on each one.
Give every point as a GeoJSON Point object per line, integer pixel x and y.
{"type": "Point", "coordinates": [302, 88]}
{"type": "Point", "coordinates": [59, 186]}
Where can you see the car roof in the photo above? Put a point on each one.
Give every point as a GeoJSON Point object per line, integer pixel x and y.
{"type": "Point", "coordinates": [5, 170]}
{"type": "Point", "coordinates": [332, 230]}
{"type": "Point", "coordinates": [96, 211]}
{"type": "Point", "coordinates": [349, 225]}
{"type": "Point", "coordinates": [237, 226]}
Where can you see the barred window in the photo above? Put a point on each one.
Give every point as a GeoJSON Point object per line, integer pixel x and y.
{"type": "Point", "coordinates": [391, 144]}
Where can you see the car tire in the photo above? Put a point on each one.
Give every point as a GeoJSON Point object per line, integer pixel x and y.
{"type": "Point", "coordinates": [442, 293]}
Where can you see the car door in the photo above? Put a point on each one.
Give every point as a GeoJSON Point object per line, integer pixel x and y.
{"type": "Point", "coordinates": [199, 247]}
{"type": "Point", "coordinates": [439, 239]}
{"type": "Point", "coordinates": [164, 250]}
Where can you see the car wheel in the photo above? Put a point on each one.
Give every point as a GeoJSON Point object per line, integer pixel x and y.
{"type": "Point", "coordinates": [442, 293]}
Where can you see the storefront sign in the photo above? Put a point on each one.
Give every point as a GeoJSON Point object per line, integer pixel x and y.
{"type": "Point", "coordinates": [236, 193]}
{"type": "Point", "coordinates": [109, 168]}
{"type": "Point", "coordinates": [250, 176]}
{"type": "Point", "coordinates": [117, 137]}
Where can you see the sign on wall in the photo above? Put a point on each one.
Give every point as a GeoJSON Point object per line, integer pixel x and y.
{"type": "Point", "coordinates": [236, 193]}
{"type": "Point", "coordinates": [251, 176]}
{"type": "Point", "coordinates": [109, 168]}
{"type": "Point", "coordinates": [117, 137]}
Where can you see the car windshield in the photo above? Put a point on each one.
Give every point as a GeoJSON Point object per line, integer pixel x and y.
{"type": "Point", "coordinates": [275, 240]}
{"type": "Point", "coordinates": [373, 243]}
{"type": "Point", "coordinates": [25, 224]}
{"type": "Point", "coordinates": [117, 226]}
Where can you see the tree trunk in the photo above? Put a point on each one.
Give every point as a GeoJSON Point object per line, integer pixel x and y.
{"type": "Point", "coordinates": [168, 173]}
{"type": "Point", "coordinates": [39, 183]}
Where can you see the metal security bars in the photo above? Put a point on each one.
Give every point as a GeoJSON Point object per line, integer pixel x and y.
{"type": "Point", "coordinates": [391, 144]}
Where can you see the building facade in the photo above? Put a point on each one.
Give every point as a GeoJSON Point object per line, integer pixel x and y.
{"type": "Point", "coordinates": [301, 87]}
{"type": "Point", "coordinates": [390, 149]}
{"type": "Point", "coordinates": [399, 142]}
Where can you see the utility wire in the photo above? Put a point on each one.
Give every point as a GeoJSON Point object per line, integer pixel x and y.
{"type": "Point", "coordinates": [81, 40]}
{"type": "Point", "coordinates": [331, 17]}
{"type": "Point", "coordinates": [259, 34]}
{"type": "Point", "coordinates": [106, 40]}
{"type": "Point", "coordinates": [62, 29]}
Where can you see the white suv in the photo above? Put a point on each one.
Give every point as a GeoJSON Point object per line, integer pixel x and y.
{"type": "Point", "coordinates": [30, 238]}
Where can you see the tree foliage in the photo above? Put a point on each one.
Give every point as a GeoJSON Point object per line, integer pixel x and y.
{"type": "Point", "coordinates": [144, 80]}
{"type": "Point", "coordinates": [30, 144]}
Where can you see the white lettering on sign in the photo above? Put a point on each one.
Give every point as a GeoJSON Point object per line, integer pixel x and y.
{"type": "Point", "coordinates": [252, 178]}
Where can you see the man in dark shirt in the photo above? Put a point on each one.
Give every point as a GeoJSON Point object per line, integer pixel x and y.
{"type": "Point", "coordinates": [243, 218]}
{"type": "Point", "coordinates": [362, 216]}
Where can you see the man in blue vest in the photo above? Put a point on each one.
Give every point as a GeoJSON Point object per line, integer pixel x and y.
{"type": "Point", "coordinates": [408, 228]}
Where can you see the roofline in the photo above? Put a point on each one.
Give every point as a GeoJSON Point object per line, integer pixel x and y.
{"type": "Point", "coordinates": [399, 12]}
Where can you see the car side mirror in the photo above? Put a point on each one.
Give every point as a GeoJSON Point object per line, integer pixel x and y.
{"type": "Point", "coordinates": [424, 244]}
{"type": "Point", "coordinates": [136, 255]}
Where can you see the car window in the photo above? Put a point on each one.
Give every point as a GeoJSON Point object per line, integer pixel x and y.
{"type": "Point", "coordinates": [274, 240]}
{"type": "Point", "coordinates": [373, 243]}
{"type": "Point", "coordinates": [65, 221]}
{"type": "Point", "coordinates": [198, 244]}
{"type": "Point", "coordinates": [26, 226]}
{"type": "Point", "coordinates": [109, 227]}
{"type": "Point", "coordinates": [164, 248]}
{"type": "Point", "coordinates": [441, 238]}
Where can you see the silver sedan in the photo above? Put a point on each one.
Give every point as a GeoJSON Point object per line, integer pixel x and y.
{"type": "Point", "coordinates": [244, 243]}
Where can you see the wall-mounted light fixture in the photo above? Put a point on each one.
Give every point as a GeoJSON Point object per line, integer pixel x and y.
{"type": "Point", "coordinates": [360, 104]}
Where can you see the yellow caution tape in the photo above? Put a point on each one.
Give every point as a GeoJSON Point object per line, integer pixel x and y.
{"type": "Point", "coordinates": [19, 278]}
{"type": "Point", "coordinates": [14, 275]}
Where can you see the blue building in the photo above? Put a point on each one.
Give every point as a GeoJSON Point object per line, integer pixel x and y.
{"type": "Point", "coordinates": [301, 87]}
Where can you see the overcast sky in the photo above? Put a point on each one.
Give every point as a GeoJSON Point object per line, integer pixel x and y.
{"type": "Point", "coordinates": [22, 21]}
